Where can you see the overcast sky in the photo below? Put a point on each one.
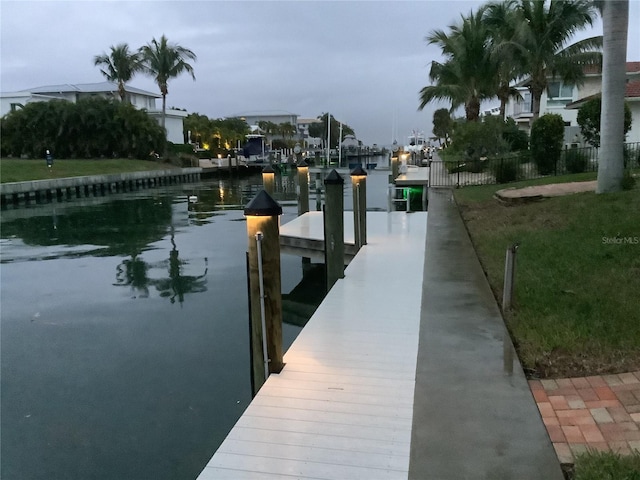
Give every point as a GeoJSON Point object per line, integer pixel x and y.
{"type": "Point", "coordinates": [362, 61]}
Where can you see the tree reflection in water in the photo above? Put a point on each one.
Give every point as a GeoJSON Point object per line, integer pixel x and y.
{"type": "Point", "coordinates": [134, 273]}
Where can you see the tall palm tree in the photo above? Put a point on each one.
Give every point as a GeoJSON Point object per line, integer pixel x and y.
{"type": "Point", "coordinates": [542, 31]}
{"type": "Point", "coordinates": [163, 61]}
{"type": "Point", "coordinates": [615, 20]}
{"type": "Point", "coordinates": [498, 16]}
{"type": "Point", "coordinates": [120, 65]}
{"type": "Point", "coordinates": [467, 76]}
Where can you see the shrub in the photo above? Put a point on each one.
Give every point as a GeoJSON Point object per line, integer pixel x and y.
{"type": "Point", "coordinates": [632, 155]}
{"type": "Point", "coordinates": [517, 139]}
{"type": "Point", "coordinates": [575, 161]}
{"type": "Point", "coordinates": [589, 116]}
{"type": "Point", "coordinates": [506, 168]}
{"type": "Point", "coordinates": [628, 181]}
{"type": "Point", "coordinates": [547, 134]}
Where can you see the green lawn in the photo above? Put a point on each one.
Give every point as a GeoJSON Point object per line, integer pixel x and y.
{"type": "Point", "coordinates": [19, 170]}
{"type": "Point", "coordinates": [576, 303]}
{"type": "Point", "coordinates": [607, 466]}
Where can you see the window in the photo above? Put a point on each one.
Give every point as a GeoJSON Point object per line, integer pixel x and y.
{"type": "Point", "coordinates": [560, 91]}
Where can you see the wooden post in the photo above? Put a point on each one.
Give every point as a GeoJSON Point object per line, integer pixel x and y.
{"type": "Point", "coordinates": [263, 234]}
{"type": "Point", "coordinates": [394, 167]}
{"type": "Point", "coordinates": [359, 183]}
{"type": "Point", "coordinates": [318, 191]}
{"type": "Point", "coordinates": [269, 179]}
{"type": "Point", "coordinates": [334, 227]}
{"type": "Point", "coordinates": [303, 186]}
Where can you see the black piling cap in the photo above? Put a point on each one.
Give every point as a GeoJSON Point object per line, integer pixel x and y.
{"type": "Point", "coordinates": [268, 169]}
{"type": "Point", "coordinates": [263, 205]}
{"type": "Point", "coordinates": [358, 171]}
{"type": "Point", "coordinates": [333, 178]}
{"type": "Point", "coordinates": [302, 163]}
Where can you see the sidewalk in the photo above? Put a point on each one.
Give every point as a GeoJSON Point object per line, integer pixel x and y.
{"type": "Point", "coordinates": [474, 415]}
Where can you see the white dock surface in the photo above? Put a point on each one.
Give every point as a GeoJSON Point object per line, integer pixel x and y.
{"type": "Point", "coordinates": [342, 406]}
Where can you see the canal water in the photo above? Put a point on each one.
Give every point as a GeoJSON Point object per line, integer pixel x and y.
{"type": "Point", "coordinates": [124, 328]}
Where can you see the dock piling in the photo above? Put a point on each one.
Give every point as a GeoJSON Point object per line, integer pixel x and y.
{"type": "Point", "coordinates": [359, 183]}
{"type": "Point", "coordinates": [264, 286]}
{"type": "Point", "coordinates": [334, 227]}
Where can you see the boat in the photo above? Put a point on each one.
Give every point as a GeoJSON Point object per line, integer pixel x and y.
{"type": "Point", "coordinates": [254, 151]}
{"type": "Point", "coordinates": [416, 143]}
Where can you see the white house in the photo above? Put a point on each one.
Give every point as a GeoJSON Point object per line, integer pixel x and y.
{"type": "Point", "coordinates": [141, 99]}
{"type": "Point", "coordinates": [565, 100]}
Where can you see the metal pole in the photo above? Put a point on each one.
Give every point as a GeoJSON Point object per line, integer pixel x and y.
{"type": "Point", "coordinates": [509, 277]}
{"type": "Point", "coordinates": [328, 139]}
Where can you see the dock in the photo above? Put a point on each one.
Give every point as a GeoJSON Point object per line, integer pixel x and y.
{"type": "Point", "coordinates": [405, 371]}
{"type": "Point", "coordinates": [342, 406]}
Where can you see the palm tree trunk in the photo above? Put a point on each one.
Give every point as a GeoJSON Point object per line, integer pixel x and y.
{"type": "Point", "coordinates": [165, 149]}
{"type": "Point", "coordinates": [615, 18]}
{"type": "Point", "coordinates": [164, 110]}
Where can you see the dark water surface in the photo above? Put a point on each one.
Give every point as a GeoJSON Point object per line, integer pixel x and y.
{"type": "Point", "coordinates": [124, 340]}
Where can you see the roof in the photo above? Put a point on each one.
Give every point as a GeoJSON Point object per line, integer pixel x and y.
{"type": "Point", "coordinates": [590, 69]}
{"type": "Point", "coordinates": [99, 87]}
{"type": "Point", "coordinates": [596, 69]}
{"type": "Point", "coordinates": [265, 113]}
{"type": "Point", "coordinates": [631, 92]}
{"type": "Point", "coordinates": [309, 120]}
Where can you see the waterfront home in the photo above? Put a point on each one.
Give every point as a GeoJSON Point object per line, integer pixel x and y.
{"type": "Point", "coordinates": [141, 99]}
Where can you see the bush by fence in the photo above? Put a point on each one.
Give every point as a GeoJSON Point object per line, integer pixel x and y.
{"type": "Point", "coordinates": [459, 171]}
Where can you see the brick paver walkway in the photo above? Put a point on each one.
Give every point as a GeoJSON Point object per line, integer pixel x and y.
{"type": "Point", "coordinates": [599, 412]}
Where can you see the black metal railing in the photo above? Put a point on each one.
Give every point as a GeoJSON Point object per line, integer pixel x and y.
{"type": "Point", "coordinates": [512, 167]}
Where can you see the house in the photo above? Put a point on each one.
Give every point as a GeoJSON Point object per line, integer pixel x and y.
{"type": "Point", "coordinates": [303, 130]}
{"type": "Point", "coordinates": [565, 100]}
{"type": "Point", "coordinates": [278, 117]}
{"type": "Point", "coordinates": [141, 99]}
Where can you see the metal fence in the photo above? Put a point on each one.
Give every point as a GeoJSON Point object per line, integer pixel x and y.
{"type": "Point", "coordinates": [520, 166]}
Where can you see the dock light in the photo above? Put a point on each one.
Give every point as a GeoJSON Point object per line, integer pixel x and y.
{"type": "Point", "coordinates": [359, 183]}
{"type": "Point", "coordinates": [219, 156]}
{"type": "Point", "coordinates": [269, 179]}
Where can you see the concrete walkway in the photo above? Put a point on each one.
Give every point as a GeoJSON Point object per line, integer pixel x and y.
{"type": "Point", "coordinates": [474, 416]}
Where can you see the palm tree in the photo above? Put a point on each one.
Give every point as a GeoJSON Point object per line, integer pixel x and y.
{"type": "Point", "coordinates": [541, 32]}
{"type": "Point", "coordinates": [119, 66]}
{"type": "Point", "coordinates": [467, 75]}
{"type": "Point", "coordinates": [163, 61]}
{"type": "Point", "coordinates": [498, 16]}
{"type": "Point", "coordinates": [615, 19]}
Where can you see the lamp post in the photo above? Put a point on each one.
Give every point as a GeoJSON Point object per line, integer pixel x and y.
{"type": "Point", "coordinates": [265, 296]}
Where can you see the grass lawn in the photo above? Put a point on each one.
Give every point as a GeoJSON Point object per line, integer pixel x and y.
{"type": "Point", "coordinates": [576, 304]}
{"type": "Point", "coordinates": [20, 170]}
{"type": "Point", "coordinates": [607, 466]}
